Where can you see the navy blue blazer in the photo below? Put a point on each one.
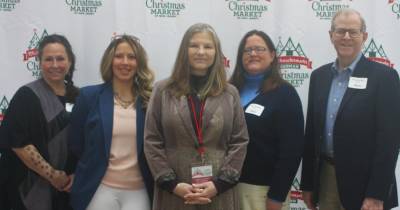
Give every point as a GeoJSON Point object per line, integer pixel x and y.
{"type": "Point", "coordinates": [89, 139]}
{"type": "Point", "coordinates": [365, 136]}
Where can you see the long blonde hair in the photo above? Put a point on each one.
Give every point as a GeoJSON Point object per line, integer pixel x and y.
{"type": "Point", "coordinates": [216, 83]}
{"type": "Point", "coordinates": [143, 80]}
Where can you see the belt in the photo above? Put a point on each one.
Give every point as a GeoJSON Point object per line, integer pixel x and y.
{"type": "Point", "coordinates": [327, 159]}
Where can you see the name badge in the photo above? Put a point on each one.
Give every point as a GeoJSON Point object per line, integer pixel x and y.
{"type": "Point", "coordinates": [255, 109]}
{"type": "Point", "coordinates": [68, 107]}
{"type": "Point", "coordinates": [201, 173]}
{"type": "Point", "coordinates": [358, 82]}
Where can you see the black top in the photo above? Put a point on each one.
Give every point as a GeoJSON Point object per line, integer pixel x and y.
{"type": "Point", "coordinates": [25, 123]}
{"type": "Point", "coordinates": [276, 141]}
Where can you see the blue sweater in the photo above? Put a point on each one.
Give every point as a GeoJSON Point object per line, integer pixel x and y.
{"type": "Point", "coordinates": [276, 141]}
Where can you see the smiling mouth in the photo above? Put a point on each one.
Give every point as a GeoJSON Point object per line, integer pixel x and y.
{"type": "Point", "coordinates": [200, 61]}
{"type": "Point", "coordinates": [56, 72]}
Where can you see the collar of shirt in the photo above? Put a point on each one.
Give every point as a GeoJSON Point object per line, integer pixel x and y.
{"type": "Point", "coordinates": [253, 80]}
{"type": "Point", "coordinates": [351, 67]}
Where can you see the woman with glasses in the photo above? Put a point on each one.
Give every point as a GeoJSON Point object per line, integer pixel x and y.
{"type": "Point", "coordinates": [34, 133]}
{"type": "Point", "coordinates": [275, 123]}
{"type": "Point", "coordinates": [196, 136]}
{"type": "Point", "coordinates": [107, 133]}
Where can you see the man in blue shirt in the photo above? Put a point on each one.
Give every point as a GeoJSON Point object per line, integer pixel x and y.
{"type": "Point", "coordinates": [352, 138]}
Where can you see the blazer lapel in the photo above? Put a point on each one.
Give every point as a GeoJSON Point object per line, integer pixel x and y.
{"type": "Point", "coordinates": [140, 117]}
{"type": "Point", "coordinates": [359, 71]}
{"type": "Point", "coordinates": [184, 113]}
{"type": "Point", "coordinates": [210, 107]}
{"type": "Point", "coordinates": [106, 113]}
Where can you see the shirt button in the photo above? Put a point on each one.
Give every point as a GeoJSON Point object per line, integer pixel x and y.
{"type": "Point", "coordinates": [334, 99]}
{"type": "Point", "coordinates": [331, 116]}
{"type": "Point", "coordinates": [329, 134]}
{"type": "Point", "coordinates": [340, 84]}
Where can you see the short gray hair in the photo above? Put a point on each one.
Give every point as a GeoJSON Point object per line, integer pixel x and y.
{"type": "Point", "coordinates": [348, 11]}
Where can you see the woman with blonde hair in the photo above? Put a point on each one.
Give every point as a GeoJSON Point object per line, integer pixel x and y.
{"type": "Point", "coordinates": [107, 132]}
{"type": "Point", "coordinates": [195, 132]}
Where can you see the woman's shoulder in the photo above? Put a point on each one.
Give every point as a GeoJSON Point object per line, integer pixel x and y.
{"type": "Point", "coordinates": [232, 90]}
{"type": "Point", "coordinates": [287, 88]}
{"type": "Point", "coordinates": [24, 95]}
{"type": "Point", "coordinates": [93, 90]}
{"type": "Point", "coordinates": [161, 84]}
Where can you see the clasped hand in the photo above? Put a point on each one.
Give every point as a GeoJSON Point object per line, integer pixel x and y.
{"type": "Point", "coordinates": [196, 193]}
{"type": "Point", "coordinates": [61, 181]}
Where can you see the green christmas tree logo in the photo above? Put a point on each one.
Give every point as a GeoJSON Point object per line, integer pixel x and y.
{"type": "Point", "coordinates": [295, 193]}
{"type": "Point", "coordinates": [292, 56]}
{"type": "Point", "coordinates": [3, 108]}
{"type": "Point", "coordinates": [32, 52]}
{"type": "Point", "coordinates": [377, 54]}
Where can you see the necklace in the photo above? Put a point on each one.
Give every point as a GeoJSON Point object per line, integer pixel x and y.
{"type": "Point", "coordinates": [120, 101]}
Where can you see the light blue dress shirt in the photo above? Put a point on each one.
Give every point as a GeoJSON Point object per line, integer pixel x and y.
{"type": "Point", "coordinates": [338, 88]}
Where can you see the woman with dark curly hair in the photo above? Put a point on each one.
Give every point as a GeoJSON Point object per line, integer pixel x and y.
{"type": "Point", "coordinates": [34, 133]}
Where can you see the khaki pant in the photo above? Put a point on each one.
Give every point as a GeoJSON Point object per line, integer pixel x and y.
{"type": "Point", "coordinates": [254, 197]}
{"type": "Point", "coordinates": [328, 192]}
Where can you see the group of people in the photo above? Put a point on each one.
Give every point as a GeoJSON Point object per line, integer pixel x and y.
{"type": "Point", "coordinates": [198, 140]}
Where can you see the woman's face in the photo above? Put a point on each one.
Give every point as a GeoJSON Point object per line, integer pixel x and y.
{"type": "Point", "coordinates": [54, 63]}
{"type": "Point", "coordinates": [257, 57]}
{"type": "Point", "coordinates": [124, 64]}
{"type": "Point", "coordinates": [201, 53]}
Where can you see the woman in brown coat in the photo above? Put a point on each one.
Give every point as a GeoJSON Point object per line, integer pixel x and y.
{"type": "Point", "coordinates": [195, 131]}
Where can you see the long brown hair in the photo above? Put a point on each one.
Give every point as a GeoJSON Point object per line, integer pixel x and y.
{"type": "Point", "coordinates": [274, 78]}
{"type": "Point", "coordinates": [144, 76]}
{"type": "Point", "coordinates": [216, 83]}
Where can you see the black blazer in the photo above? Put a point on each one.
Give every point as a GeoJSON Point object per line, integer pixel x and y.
{"type": "Point", "coordinates": [366, 135]}
{"type": "Point", "coordinates": [90, 140]}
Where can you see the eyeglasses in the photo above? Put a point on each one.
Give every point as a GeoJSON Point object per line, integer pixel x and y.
{"type": "Point", "coordinates": [258, 50]}
{"type": "Point", "coordinates": [125, 36]}
{"type": "Point", "coordinates": [341, 32]}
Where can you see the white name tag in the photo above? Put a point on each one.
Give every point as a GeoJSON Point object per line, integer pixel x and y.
{"type": "Point", "coordinates": [255, 109]}
{"type": "Point", "coordinates": [68, 107]}
{"type": "Point", "coordinates": [202, 173]}
{"type": "Point", "coordinates": [358, 82]}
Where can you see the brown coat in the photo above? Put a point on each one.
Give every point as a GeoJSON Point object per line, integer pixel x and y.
{"type": "Point", "coordinates": [169, 143]}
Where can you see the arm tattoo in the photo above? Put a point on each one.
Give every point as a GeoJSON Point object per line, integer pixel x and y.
{"type": "Point", "coordinates": [39, 163]}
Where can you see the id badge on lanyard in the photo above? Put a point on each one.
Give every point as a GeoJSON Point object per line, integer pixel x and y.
{"type": "Point", "coordinates": [200, 170]}
{"type": "Point", "coordinates": [201, 173]}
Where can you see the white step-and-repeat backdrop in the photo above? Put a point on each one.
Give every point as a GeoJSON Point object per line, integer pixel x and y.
{"type": "Point", "coordinates": [299, 29]}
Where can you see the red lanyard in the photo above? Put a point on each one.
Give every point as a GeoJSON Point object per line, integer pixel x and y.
{"type": "Point", "coordinates": [198, 123]}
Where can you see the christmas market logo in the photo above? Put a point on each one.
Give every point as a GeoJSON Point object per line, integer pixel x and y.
{"type": "Point", "coordinates": [395, 4]}
{"type": "Point", "coordinates": [295, 65]}
{"type": "Point", "coordinates": [8, 5]}
{"type": "Point", "coordinates": [164, 8]}
{"type": "Point", "coordinates": [30, 55]}
{"type": "Point", "coordinates": [326, 9]}
{"type": "Point", "coordinates": [248, 9]}
{"type": "Point", "coordinates": [377, 54]}
{"type": "Point", "coordinates": [84, 7]}
{"type": "Point", "coordinates": [296, 200]}
{"type": "Point", "coordinates": [3, 107]}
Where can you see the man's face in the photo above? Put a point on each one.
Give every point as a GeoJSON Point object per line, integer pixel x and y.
{"type": "Point", "coordinates": [347, 36]}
